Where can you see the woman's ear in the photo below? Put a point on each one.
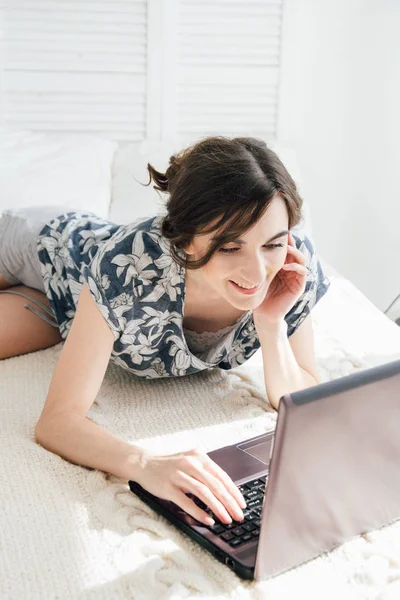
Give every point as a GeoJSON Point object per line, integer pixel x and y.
{"type": "Point", "coordinates": [189, 248]}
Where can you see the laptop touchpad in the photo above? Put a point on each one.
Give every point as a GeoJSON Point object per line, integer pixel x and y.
{"type": "Point", "coordinates": [260, 450]}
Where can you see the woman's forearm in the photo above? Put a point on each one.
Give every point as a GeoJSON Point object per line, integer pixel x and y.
{"type": "Point", "coordinates": [83, 442]}
{"type": "Point", "coordinates": [282, 373]}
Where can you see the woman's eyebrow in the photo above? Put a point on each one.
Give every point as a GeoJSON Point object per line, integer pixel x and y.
{"type": "Point", "coordinates": [277, 235]}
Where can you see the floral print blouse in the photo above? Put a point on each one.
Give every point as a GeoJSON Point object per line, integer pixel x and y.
{"type": "Point", "coordinates": [140, 291]}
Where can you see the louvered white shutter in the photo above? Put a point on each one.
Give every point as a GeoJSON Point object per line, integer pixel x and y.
{"type": "Point", "coordinates": [137, 69]}
{"type": "Point", "coordinates": [228, 67]}
{"type": "Point", "coordinates": [76, 66]}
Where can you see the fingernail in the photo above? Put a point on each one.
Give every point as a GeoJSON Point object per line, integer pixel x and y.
{"type": "Point", "coordinates": [210, 521]}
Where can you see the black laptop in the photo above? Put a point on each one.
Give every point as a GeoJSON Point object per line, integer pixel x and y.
{"type": "Point", "coordinates": [329, 472]}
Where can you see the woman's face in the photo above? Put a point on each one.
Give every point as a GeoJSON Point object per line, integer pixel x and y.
{"type": "Point", "coordinates": [255, 262]}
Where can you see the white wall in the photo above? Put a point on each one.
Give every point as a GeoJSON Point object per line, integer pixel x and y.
{"type": "Point", "coordinates": [340, 109]}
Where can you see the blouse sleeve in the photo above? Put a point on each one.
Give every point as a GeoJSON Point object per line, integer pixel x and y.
{"type": "Point", "coordinates": [317, 285]}
{"type": "Point", "coordinates": [102, 297]}
{"type": "Point", "coordinates": [100, 275]}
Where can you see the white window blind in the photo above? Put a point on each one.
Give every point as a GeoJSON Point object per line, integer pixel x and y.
{"type": "Point", "coordinates": [72, 65]}
{"type": "Point", "coordinates": [136, 69]}
{"type": "Point", "coordinates": [229, 59]}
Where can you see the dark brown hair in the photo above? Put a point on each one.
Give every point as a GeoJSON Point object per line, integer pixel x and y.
{"type": "Point", "coordinates": [229, 179]}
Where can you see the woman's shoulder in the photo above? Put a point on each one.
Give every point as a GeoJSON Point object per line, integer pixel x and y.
{"type": "Point", "coordinates": [140, 240]}
{"type": "Point", "coordinates": [84, 230]}
{"type": "Point", "coordinates": [82, 219]}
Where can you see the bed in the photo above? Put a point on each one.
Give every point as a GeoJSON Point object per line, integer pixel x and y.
{"type": "Point", "coordinates": [70, 532]}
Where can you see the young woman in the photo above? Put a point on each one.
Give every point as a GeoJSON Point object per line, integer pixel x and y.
{"type": "Point", "coordinates": [204, 285]}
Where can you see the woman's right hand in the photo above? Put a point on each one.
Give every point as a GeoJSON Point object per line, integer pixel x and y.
{"type": "Point", "coordinates": [171, 477]}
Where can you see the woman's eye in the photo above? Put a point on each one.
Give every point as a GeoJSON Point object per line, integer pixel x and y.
{"type": "Point", "coordinates": [269, 246]}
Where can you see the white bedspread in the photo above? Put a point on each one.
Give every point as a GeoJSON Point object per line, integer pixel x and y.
{"type": "Point", "coordinates": [69, 532]}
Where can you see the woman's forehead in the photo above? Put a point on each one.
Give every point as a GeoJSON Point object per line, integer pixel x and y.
{"type": "Point", "coordinates": [269, 223]}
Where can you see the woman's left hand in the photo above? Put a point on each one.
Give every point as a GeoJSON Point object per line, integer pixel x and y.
{"type": "Point", "coordinates": [285, 289]}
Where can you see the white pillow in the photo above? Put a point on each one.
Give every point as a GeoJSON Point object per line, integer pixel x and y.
{"type": "Point", "coordinates": [56, 169]}
{"type": "Point", "coordinates": [131, 201]}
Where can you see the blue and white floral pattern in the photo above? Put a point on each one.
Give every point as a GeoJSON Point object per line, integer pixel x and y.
{"type": "Point", "coordinates": [140, 291]}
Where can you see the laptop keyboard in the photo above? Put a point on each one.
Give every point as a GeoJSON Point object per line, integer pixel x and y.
{"type": "Point", "coordinates": [240, 532]}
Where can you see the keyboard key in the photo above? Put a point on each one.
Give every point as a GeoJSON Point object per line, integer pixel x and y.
{"type": "Point", "coordinates": [254, 503]}
{"type": "Point", "coordinates": [252, 516]}
{"type": "Point", "coordinates": [228, 535]}
{"type": "Point", "coordinates": [256, 482]}
{"type": "Point", "coordinates": [252, 493]}
{"type": "Point", "coordinates": [246, 537]}
{"type": "Point", "coordinates": [255, 533]}
{"type": "Point", "coordinates": [199, 502]}
{"type": "Point", "coordinates": [217, 528]}
{"type": "Point", "coordinates": [238, 530]}
{"type": "Point", "coordinates": [236, 542]}
{"type": "Point", "coordinates": [249, 526]}
{"type": "Point", "coordinates": [245, 488]}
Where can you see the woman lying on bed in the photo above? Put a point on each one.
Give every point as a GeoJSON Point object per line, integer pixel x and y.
{"type": "Point", "coordinates": [204, 285]}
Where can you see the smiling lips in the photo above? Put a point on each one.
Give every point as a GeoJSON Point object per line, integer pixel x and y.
{"type": "Point", "coordinates": [245, 290]}
{"type": "Point", "coordinates": [247, 287]}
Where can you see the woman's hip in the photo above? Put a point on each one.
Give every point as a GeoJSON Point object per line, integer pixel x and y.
{"type": "Point", "coordinates": [19, 230]}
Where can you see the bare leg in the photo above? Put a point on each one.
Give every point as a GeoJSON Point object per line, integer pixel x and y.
{"type": "Point", "coordinates": [21, 331]}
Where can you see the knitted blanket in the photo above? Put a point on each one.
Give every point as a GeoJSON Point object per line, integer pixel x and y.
{"type": "Point", "coordinates": [70, 532]}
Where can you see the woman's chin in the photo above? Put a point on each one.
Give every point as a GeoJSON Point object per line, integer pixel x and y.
{"type": "Point", "coordinates": [248, 302]}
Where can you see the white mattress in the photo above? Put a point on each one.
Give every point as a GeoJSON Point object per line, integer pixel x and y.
{"type": "Point", "coordinates": [70, 532]}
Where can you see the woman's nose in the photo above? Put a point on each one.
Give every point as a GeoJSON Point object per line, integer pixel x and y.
{"type": "Point", "coordinates": [255, 271]}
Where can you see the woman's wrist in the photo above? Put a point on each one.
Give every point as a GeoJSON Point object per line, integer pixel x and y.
{"type": "Point", "coordinates": [136, 462]}
{"type": "Point", "coordinates": [267, 326]}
